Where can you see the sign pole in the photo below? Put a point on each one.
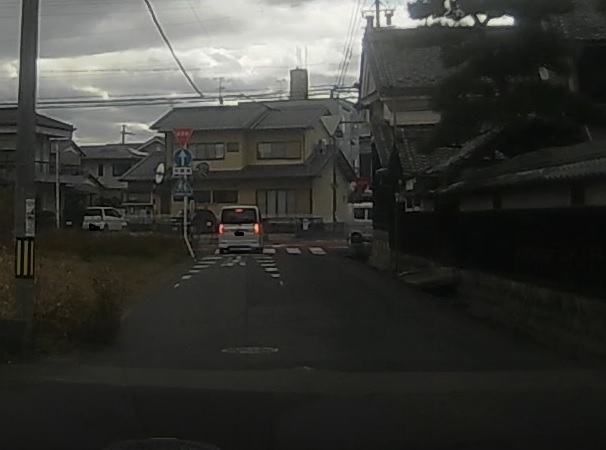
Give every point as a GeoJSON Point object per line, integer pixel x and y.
{"type": "Point", "coordinates": [182, 160]}
{"type": "Point", "coordinates": [25, 187]}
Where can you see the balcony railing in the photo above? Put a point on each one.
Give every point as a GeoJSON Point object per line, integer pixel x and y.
{"type": "Point", "coordinates": [42, 167]}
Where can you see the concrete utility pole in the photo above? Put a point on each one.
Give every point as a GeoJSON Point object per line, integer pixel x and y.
{"type": "Point", "coordinates": [25, 187]}
{"type": "Point", "coordinates": [125, 133]}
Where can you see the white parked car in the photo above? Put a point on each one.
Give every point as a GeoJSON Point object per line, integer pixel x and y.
{"type": "Point", "coordinates": [104, 218]}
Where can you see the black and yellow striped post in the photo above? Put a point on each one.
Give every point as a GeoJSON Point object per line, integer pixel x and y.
{"type": "Point", "coordinates": [24, 258]}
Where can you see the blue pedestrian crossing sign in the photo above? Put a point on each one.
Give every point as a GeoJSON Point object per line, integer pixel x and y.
{"type": "Point", "coordinates": [183, 188]}
{"type": "Point", "coordinates": [183, 158]}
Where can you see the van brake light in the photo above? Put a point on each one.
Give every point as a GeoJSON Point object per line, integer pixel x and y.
{"type": "Point", "coordinates": [221, 228]}
{"type": "Point", "coordinates": [257, 228]}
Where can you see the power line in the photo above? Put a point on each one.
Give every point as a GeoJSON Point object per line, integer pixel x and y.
{"type": "Point", "coordinates": [170, 47]}
{"type": "Point", "coordinates": [348, 47]}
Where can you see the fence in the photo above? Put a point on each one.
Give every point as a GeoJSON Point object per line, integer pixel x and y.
{"type": "Point", "coordinates": [562, 248]}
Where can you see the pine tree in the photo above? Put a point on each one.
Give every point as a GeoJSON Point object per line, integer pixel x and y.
{"type": "Point", "coordinates": [506, 77]}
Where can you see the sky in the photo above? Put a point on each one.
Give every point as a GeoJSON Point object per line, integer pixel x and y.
{"type": "Point", "coordinates": [110, 48]}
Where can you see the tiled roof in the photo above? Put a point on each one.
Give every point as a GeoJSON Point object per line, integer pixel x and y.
{"type": "Point", "coordinates": [245, 116]}
{"type": "Point", "coordinates": [398, 60]}
{"type": "Point", "coordinates": [111, 151]}
{"type": "Point", "coordinates": [288, 117]}
{"type": "Point", "coordinates": [410, 143]}
{"type": "Point", "coordinates": [311, 168]}
{"type": "Point", "coordinates": [8, 117]}
{"type": "Point", "coordinates": [582, 161]}
{"type": "Point", "coordinates": [235, 117]}
{"type": "Point", "coordinates": [145, 169]}
{"type": "Point", "coordinates": [584, 23]}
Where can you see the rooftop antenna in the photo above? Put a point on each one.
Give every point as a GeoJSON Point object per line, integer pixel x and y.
{"type": "Point", "coordinates": [305, 66]}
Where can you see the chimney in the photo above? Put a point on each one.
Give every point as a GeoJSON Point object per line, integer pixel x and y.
{"type": "Point", "coordinates": [299, 84]}
{"type": "Point", "coordinates": [370, 20]}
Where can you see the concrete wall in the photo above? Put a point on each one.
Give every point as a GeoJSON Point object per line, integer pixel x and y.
{"type": "Point", "coordinates": [545, 197]}
{"type": "Point", "coordinates": [476, 202]}
{"type": "Point", "coordinates": [595, 193]}
{"type": "Point", "coordinates": [323, 194]}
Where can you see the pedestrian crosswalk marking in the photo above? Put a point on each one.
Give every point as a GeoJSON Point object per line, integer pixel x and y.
{"type": "Point", "coordinates": [293, 250]}
{"type": "Point", "coordinates": [194, 271]}
{"type": "Point", "coordinates": [271, 269]}
{"type": "Point", "coordinates": [317, 251]}
{"type": "Point", "coordinates": [186, 277]}
{"type": "Point", "coordinates": [269, 251]}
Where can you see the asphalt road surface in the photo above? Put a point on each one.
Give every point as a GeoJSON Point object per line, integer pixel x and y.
{"type": "Point", "coordinates": [304, 349]}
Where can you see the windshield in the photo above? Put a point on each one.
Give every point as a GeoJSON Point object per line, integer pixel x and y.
{"type": "Point", "coordinates": [239, 216]}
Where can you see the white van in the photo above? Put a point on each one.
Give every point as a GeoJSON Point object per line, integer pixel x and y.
{"type": "Point", "coordinates": [103, 218]}
{"type": "Point", "coordinates": [360, 219]}
{"type": "Point", "coordinates": [240, 228]}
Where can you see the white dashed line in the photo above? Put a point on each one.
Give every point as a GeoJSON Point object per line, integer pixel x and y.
{"type": "Point", "coordinates": [186, 277]}
{"type": "Point", "coordinates": [269, 251]}
{"type": "Point", "coordinates": [317, 251]}
{"type": "Point", "coordinates": [271, 269]}
{"type": "Point", "coordinates": [293, 251]}
{"type": "Point", "coordinates": [275, 275]}
{"type": "Point", "coordinates": [194, 271]}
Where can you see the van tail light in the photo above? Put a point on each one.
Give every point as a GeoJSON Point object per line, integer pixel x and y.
{"type": "Point", "coordinates": [221, 228]}
{"type": "Point", "coordinates": [257, 228]}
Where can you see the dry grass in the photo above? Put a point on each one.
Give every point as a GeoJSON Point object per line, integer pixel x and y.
{"type": "Point", "coordinates": [84, 282]}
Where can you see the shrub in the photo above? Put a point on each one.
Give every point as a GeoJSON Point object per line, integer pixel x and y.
{"type": "Point", "coordinates": [90, 245]}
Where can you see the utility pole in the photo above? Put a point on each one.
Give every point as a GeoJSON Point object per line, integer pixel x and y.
{"type": "Point", "coordinates": [55, 145]}
{"type": "Point", "coordinates": [25, 188]}
{"type": "Point", "coordinates": [378, 12]}
{"type": "Point", "coordinates": [125, 133]}
{"type": "Point", "coordinates": [221, 90]}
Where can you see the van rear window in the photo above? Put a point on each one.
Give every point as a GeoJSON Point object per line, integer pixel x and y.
{"type": "Point", "coordinates": [239, 215]}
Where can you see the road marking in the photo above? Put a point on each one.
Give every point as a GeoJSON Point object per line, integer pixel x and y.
{"type": "Point", "coordinates": [186, 277]}
{"type": "Point", "coordinates": [210, 259]}
{"type": "Point", "coordinates": [194, 271]}
{"type": "Point", "coordinates": [275, 275]}
{"type": "Point", "coordinates": [217, 251]}
{"type": "Point", "coordinates": [317, 251]}
{"type": "Point", "coordinates": [271, 269]}
{"type": "Point", "coordinates": [269, 251]}
{"type": "Point", "coordinates": [282, 283]}
{"type": "Point", "coordinates": [177, 285]}
{"type": "Point", "coordinates": [268, 264]}
{"type": "Point", "coordinates": [293, 251]}
{"type": "Point", "coordinates": [242, 264]}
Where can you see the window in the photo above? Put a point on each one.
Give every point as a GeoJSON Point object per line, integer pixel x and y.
{"type": "Point", "coordinates": [113, 213]}
{"type": "Point", "coordinates": [100, 170]}
{"type": "Point", "coordinates": [279, 202]}
{"type": "Point", "coordinates": [137, 197]}
{"type": "Point", "coordinates": [239, 215]}
{"type": "Point", "coordinates": [225, 196]}
{"type": "Point", "coordinates": [233, 147]}
{"type": "Point", "coordinates": [359, 213]}
{"type": "Point", "coordinates": [93, 212]}
{"type": "Point", "coordinates": [119, 169]}
{"type": "Point", "coordinates": [279, 150]}
{"type": "Point", "coordinates": [208, 151]}
{"type": "Point", "coordinates": [202, 196]}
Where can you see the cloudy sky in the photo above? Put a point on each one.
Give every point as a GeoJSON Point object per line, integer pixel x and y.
{"type": "Point", "coordinates": [110, 48]}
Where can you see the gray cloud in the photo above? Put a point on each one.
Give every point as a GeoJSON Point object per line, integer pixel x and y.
{"type": "Point", "coordinates": [251, 45]}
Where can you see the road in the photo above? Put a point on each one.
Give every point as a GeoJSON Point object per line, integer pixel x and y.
{"type": "Point", "coordinates": [304, 349]}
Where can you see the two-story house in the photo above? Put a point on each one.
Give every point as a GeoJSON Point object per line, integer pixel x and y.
{"type": "Point", "coordinates": [47, 130]}
{"type": "Point", "coordinates": [275, 155]}
{"type": "Point", "coordinates": [109, 162]}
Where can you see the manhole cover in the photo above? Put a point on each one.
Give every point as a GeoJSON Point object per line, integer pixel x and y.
{"type": "Point", "coordinates": [250, 350]}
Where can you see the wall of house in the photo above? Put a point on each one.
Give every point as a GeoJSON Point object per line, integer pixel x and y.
{"type": "Point", "coordinates": [545, 197]}
{"type": "Point", "coordinates": [256, 137]}
{"type": "Point", "coordinates": [92, 166]}
{"type": "Point", "coordinates": [476, 202]}
{"type": "Point", "coordinates": [595, 193]}
{"type": "Point", "coordinates": [247, 192]}
{"type": "Point", "coordinates": [232, 160]}
{"type": "Point", "coordinates": [312, 137]}
{"type": "Point", "coordinates": [323, 193]}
